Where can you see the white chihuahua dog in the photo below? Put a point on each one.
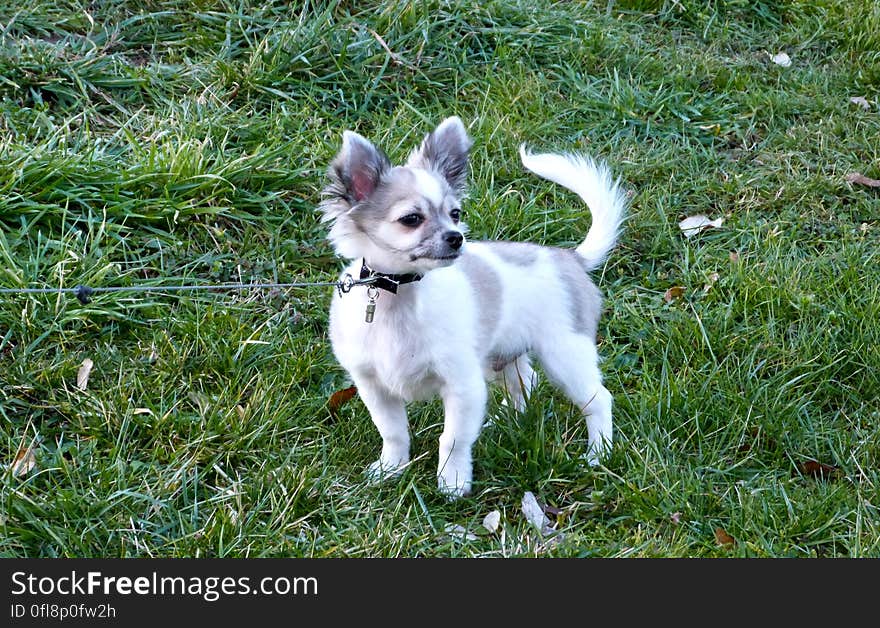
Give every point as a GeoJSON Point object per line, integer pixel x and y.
{"type": "Point", "coordinates": [440, 316]}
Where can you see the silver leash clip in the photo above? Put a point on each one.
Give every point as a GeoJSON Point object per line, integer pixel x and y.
{"type": "Point", "coordinates": [345, 286]}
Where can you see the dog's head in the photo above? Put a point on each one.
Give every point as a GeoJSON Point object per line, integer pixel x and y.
{"type": "Point", "coordinates": [401, 219]}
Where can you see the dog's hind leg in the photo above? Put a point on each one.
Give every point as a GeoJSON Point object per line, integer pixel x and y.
{"type": "Point", "coordinates": [571, 362]}
{"type": "Point", "coordinates": [519, 378]}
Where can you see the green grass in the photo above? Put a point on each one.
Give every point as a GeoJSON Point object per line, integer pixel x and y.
{"type": "Point", "coordinates": [146, 142]}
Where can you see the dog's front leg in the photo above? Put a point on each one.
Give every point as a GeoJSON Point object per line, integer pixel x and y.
{"type": "Point", "coordinates": [389, 416]}
{"type": "Point", "coordinates": [465, 407]}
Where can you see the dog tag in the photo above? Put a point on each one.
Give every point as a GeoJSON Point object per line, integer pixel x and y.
{"type": "Point", "coordinates": [372, 295]}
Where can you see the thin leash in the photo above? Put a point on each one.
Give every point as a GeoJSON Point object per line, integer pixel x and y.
{"type": "Point", "coordinates": [84, 293]}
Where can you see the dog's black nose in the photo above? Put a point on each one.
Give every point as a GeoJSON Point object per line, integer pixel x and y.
{"type": "Point", "coordinates": [453, 239]}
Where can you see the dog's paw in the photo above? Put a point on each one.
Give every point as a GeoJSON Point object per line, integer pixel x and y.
{"type": "Point", "coordinates": [592, 458]}
{"type": "Point", "coordinates": [379, 471]}
{"type": "Point", "coordinates": [597, 454]}
{"type": "Point", "coordinates": [454, 483]}
{"type": "Point", "coordinates": [454, 491]}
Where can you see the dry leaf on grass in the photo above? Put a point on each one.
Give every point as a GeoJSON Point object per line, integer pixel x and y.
{"type": "Point", "coordinates": [734, 257]}
{"type": "Point", "coordinates": [692, 225]}
{"type": "Point", "coordinates": [492, 521]}
{"type": "Point", "coordinates": [534, 514]}
{"type": "Point", "coordinates": [756, 439]}
{"type": "Point", "coordinates": [818, 469]}
{"type": "Point", "coordinates": [459, 532]}
{"type": "Point", "coordinates": [82, 375]}
{"type": "Point", "coordinates": [781, 59]}
{"type": "Point", "coordinates": [723, 538]}
{"type": "Point", "coordinates": [711, 281]}
{"type": "Point", "coordinates": [340, 398]}
{"type": "Point", "coordinates": [861, 101]}
{"type": "Point", "coordinates": [675, 517]}
{"type": "Point", "coordinates": [142, 411]}
{"type": "Point", "coordinates": [24, 461]}
{"type": "Point", "coordinates": [552, 511]}
{"type": "Point", "coordinates": [860, 179]}
{"type": "Point", "coordinates": [673, 293]}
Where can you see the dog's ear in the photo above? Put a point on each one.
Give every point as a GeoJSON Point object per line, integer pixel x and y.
{"type": "Point", "coordinates": [354, 174]}
{"type": "Point", "coordinates": [445, 150]}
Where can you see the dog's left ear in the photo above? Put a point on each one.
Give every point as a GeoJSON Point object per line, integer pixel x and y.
{"type": "Point", "coordinates": [445, 150]}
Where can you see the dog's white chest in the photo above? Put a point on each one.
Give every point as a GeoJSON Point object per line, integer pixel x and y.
{"type": "Point", "coordinates": [389, 350]}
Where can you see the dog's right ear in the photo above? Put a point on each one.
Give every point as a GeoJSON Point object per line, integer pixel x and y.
{"type": "Point", "coordinates": [354, 174]}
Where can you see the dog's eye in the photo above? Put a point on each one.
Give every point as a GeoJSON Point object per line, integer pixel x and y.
{"type": "Point", "coordinates": [455, 214]}
{"type": "Point", "coordinates": [411, 220]}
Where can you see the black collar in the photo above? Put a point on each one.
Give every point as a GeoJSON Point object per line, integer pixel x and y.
{"type": "Point", "coordinates": [386, 281]}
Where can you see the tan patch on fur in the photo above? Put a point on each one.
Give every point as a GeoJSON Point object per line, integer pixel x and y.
{"type": "Point", "coordinates": [487, 289]}
{"type": "Point", "coordinates": [517, 253]}
{"type": "Point", "coordinates": [584, 298]}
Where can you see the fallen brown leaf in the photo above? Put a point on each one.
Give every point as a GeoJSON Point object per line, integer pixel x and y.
{"type": "Point", "coordinates": [860, 179]}
{"type": "Point", "coordinates": [723, 538]}
{"type": "Point", "coordinates": [818, 469]}
{"type": "Point", "coordinates": [712, 280]}
{"type": "Point", "coordinates": [552, 511]}
{"type": "Point", "coordinates": [82, 375]}
{"type": "Point", "coordinates": [673, 293]}
{"type": "Point", "coordinates": [24, 461]}
{"type": "Point", "coordinates": [340, 398]}
{"type": "Point", "coordinates": [757, 439]}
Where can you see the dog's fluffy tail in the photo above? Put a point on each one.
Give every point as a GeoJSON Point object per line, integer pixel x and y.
{"type": "Point", "coordinates": [593, 183]}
